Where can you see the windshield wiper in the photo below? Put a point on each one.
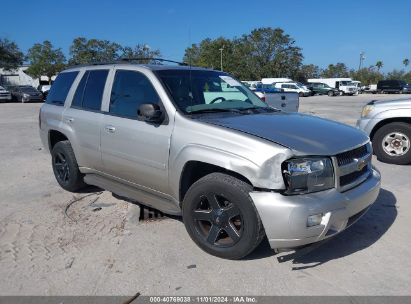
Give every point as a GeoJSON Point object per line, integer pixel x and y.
{"type": "Point", "coordinates": [266, 109]}
{"type": "Point", "coordinates": [214, 110]}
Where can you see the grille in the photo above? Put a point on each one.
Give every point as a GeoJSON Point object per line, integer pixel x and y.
{"type": "Point", "coordinates": [346, 158]}
{"type": "Point", "coordinates": [352, 177]}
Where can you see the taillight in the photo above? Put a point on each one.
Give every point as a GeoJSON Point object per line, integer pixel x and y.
{"type": "Point", "coordinates": [262, 98]}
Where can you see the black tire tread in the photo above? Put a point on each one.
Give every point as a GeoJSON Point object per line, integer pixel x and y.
{"type": "Point", "coordinates": [241, 186]}
{"type": "Point", "coordinates": [77, 183]}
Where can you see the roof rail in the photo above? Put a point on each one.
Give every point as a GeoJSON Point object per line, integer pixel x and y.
{"type": "Point", "coordinates": [128, 60]}
{"type": "Point", "coordinates": [158, 60]}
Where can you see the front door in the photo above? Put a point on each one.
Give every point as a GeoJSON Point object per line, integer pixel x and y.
{"type": "Point", "coordinates": [134, 150]}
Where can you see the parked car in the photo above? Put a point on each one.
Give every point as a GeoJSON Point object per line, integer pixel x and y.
{"type": "Point", "coordinates": [393, 86]}
{"type": "Point", "coordinates": [196, 142]}
{"type": "Point", "coordinates": [44, 89]}
{"type": "Point", "coordinates": [4, 94]}
{"type": "Point", "coordinates": [322, 89]}
{"type": "Point", "coordinates": [267, 88]}
{"type": "Point", "coordinates": [25, 94]}
{"type": "Point", "coordinates": [344, 85]}
{"type": "Point", "coordinates": [388, 123]}
{"type": "Point", "coordinates": [372, 88]}
{"type": "Point", "coordinates": [293, 87]}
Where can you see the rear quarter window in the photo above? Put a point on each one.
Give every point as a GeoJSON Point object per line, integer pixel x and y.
{"type": "Point", "coordinates": [60, 88]}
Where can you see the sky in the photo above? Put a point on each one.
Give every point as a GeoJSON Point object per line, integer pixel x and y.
{"type": "Point", "coordinates": [327, 31]}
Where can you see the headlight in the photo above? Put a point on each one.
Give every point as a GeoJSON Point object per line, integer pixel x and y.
{"type": "Point", "coordinates": [26, 95]}
{"type": "Point", "coordinates": [367, 110]}
{"type": "Point", "coordinates": [306, 175]}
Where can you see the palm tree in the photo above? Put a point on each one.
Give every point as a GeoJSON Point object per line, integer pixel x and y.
{"type": "Point", "coordinates": [406, 62]}
{"type": "Point", "coordinates": [379, 65]}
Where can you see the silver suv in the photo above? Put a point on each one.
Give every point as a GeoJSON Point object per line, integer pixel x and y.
{"type": "Point", "coordinates": [197, 143]}
{"type": "Point", "coordinates": [388, 123]}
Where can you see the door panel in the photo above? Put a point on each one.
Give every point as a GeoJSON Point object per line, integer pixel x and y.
{"type": "Point", "coordinates": [134, 150]}
{"type": "Point", "coordinates": [84, 118]}
{"type": "Point", "coordinates": [85, 127]}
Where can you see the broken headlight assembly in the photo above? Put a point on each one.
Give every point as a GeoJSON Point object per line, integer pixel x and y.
{"type": "Point", "coordinates": [307, 175]}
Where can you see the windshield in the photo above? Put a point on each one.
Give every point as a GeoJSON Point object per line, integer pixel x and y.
{"type": "Point", "coordinates": [346, 83]}
{"type": "Point", "coordinates": [201, 91]}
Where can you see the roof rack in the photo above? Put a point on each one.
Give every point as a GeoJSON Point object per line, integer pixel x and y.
{"type": "Point", "coordinates": [129, 59]}
{"type": "Point", "coordinates": [156, 60]}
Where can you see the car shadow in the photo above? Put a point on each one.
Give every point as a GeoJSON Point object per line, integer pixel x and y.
{"type": "Point", "coordinates": [368, 230]}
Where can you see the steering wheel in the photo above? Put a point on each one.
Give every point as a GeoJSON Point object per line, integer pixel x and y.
{"type": "Point", "coordinates": [217, 98]}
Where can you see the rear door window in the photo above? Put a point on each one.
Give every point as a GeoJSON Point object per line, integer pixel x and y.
{"type": "Point", "coordinates": [90, 90]}
{"type": "Point", "coordinates": [60, 88]}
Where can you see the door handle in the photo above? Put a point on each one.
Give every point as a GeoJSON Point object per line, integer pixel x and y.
{"type": "Point", "coordinates": [110, 129]}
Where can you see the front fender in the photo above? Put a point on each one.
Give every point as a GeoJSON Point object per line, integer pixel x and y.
{"type": "Point", "coordinates": [265, 175]}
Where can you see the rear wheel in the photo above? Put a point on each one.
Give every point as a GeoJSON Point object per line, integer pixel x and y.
{"type": "Point", "coordinates": [65, 167]}
{"type": "Point", "coordinates": [392, 143]}
{"type": "Point", "coordinates": [221, 218]}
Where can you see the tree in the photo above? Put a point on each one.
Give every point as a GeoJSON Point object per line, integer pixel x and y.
{"type": "Point", "coordinates": [208, 54]}
{"type": "Point", "coordinates": [265, 52]}
{"type": "Point", "coordinates": [10, 55]}
{"type": "Point", "coordinates": [379, 64]}
{"type": "Point", "coordinates": [83, 51]}
{"type": "Point", "coordinates": [406, 62]}
{"type": "Point", "coordinates": [334, 71]}
{"type": "Point", "coordinates": [396, 74]}
{"type": "Point", "coordinates": [366, 75]}
{"type": "Point", "coordinates": [45, 60]}
{"type": "Point", "coordinates": [308, 71]}
{"type": "Point", "coordinates": [140, 51]}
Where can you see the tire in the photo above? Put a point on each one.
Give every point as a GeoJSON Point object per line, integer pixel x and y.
{"type": "Point", "coordinates": [330, 93]}
{"type": "Point", "coordinates": [396, 137]}
{"type": "Point", "coordinates": [301, 94]}
{"type": "Point", "coordinates": [230, 230]}
{"type": "Point", "coordinates": [65, 167]}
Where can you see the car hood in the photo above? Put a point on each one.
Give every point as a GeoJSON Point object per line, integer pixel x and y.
{"type": "Point", "coordinates": [305, 134]}
{"type": "Point", "coordinates": [393, 103]}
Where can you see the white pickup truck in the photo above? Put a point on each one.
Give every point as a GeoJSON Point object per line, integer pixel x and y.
{"type": "Point", "coordinates": [277, 98]}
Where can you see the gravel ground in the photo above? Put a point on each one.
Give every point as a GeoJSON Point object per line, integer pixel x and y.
{"type": "Point", "coordinates": [57, 243]}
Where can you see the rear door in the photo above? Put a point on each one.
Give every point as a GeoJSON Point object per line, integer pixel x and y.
{"type": "Point", "coordinates": [84, 117]}
{"type": "Point", "coordinates": [134, 150]}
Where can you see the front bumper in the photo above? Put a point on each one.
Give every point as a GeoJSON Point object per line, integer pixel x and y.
{"type": "Point", "coordinates": [285, 217]}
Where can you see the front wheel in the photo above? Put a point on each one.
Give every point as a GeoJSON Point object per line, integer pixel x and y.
{"type": "Point", "coordinates": [392, 144]}
{"type": "Point", "coordinates": [330, 93]}
{"type": "Point", "coordinates": [221, 218]}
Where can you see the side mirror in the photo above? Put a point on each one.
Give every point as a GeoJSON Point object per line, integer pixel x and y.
{"type": "Point", "coordinates": [150, 112]}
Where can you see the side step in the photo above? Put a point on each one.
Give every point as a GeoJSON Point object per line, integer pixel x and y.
{"type": "Point", "coordinates": [144, 197]}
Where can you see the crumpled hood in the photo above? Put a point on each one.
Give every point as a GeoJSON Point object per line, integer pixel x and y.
{"type": "Point", "coordinates": [302, 133]}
